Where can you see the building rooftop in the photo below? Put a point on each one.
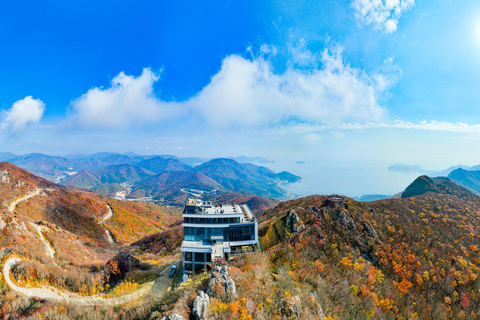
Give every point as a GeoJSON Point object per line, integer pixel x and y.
{"type": "Point", "coordinates": [207, 207]}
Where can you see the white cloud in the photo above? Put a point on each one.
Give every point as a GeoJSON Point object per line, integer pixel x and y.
{"type": "Point", "coordinates": [248, 92]}
{"type": "Point", "coordinates": [128, 100]}
{"type": "Point", "coordinates": [433, 125]}
{"type": "Point", "coordinates": [382, 14]}
{"type": "Point", "coordinates": [22, 113]}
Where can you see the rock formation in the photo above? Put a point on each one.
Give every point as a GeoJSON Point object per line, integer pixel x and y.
{"type": "Point", "coordinates": [220, 279]}
{"type": "Point", "coordinates": [200, 306]}
{"type": "Point", "coordinates": [4, 176]}
{"type": "Point", "coordinates": [174, 316]}
{"type": "Point", "coordinates": [117, 268]}
{"type": "Point", "coordinates": [294, 224]}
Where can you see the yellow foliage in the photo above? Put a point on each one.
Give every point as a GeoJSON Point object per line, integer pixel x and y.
{"type": "Point", "coordinates": [358, 267]}
{"type": "Point", "coordinates": [425, 276]}
{"type": "Point", "coordinates": [455, 296]}
{"type": "Point", "coordinates": [385, 305]}
{"type": "Point", "coordinates": [380, 276]}
{"type": "Point", "coordinates": [463, 262]}
{"type": "Point", "coordinates": [124, 287]}
{"type": "Point", "coordinates": [345, 263]}
{"type": "Point", "coordinates": [244, 314]}
{"type": "Point", "coordinates": [218, 307]}
{"type": "Point", "coordinates": [418, 280]}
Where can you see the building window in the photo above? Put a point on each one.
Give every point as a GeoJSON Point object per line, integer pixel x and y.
{"type": "Point", "coordinates": [188, 256]}
{"type": "Point", "coordinates": [199, 257]}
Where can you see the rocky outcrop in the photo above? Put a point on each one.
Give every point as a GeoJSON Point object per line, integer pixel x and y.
{"type": "Point", "coordinates": [4, 178]}
{"type": "Point", "coordinates": [320, 313]}
{"type": "Point", "coordinates": [291, 308]}
{"type": "Point", "coordinates": [117, 268]}
{"type": "Point", "coordinates": [368, 228]}
{"type": "Point", "coordinates": [220, 279]}
{"type": "Point", "coordinates": [346, 220]}
{"type": "Point", "coordinates": [200, 306]}
{"type": "Point", "coordinates": [294, 224]}
{"type": "Point", "coordinates": [174, 316]}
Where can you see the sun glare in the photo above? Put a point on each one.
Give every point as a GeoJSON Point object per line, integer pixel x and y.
{"type": "Point", "coordinates": [477, 33]}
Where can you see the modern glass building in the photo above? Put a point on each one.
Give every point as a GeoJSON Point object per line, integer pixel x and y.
{"type": "Point", "coordinates": [214, 233]}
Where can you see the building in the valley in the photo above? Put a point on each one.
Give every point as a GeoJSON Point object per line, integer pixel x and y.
{"type": "Point", "coordinates": [214, 233]}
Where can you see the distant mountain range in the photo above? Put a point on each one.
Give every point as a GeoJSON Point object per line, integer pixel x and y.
{"type": "Point", "coordinates": [469, 179]}
{"type": "Point", "coordinates": [432, 173]}
{"type": "Point", "coordinates": [409, 169]}
{"type": "Point", "coordinates": [371, 197]}
{"type": "Point", "coordinates": [158, 177]}
{"type": "Point", "coordinates": [440, 185]}
{"type": "Point", "coordinates": [465, 176]}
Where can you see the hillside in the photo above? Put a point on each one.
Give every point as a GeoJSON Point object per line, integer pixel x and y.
{"type": "Point", "coordinates": [250, 178]}
{"type": "Point", "coordinates": [424, 185]}
{"type": "Point", "coordinates": [48, 167]}
{"type": "Point", "coordinates": [327, 257]}
{"type": "Point", "coordinates": [393, 258]}
{"type": "Point", "coordinates": [131, 175]}
{"type": "Point", "coordinates": [165, 178]}
{"type": "Point", "coordinates": [159, 165]}
{"type": "Point", "coordinates": [113, 174]}
{"type": "Point", "coordinates": [76, 211]}
{"type": "Point", "coordinates": [467, 179]}
{"type": "Point", "coordinates": [169, 185]}
{"type": "Point", "coordinates": [408, 258]}
{"type": "Point", "coordinates": [54, 237]}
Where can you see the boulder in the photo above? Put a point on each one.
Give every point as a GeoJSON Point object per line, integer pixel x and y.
{"type": "Point", "coordinates": [4, 177]}
{"type": "Point", "coordinates": [117, 268]}
{"type": "Point", "coordinates": [294, 224]}
{"type": "Point", "coordinates": [174, 316]}
{"type": "Point", "coordinates": [200, 306]}
{"type": "Point", "coordinates": [220, 277]}
{"type": "Point", "coordinates": [346, 220]}
{"type": "Point", "coordinates": [291, 308]}
{"type": "Point", "coordinates": [368, 228]}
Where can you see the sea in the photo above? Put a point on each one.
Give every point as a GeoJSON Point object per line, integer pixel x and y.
{"type": "Point", "coordinates": [349, 180]}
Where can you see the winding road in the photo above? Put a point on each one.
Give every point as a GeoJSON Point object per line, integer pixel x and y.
{"type": "Point", "coordinates": [13, 205]}
{"type": "Point", "coordinates": [53, 294]}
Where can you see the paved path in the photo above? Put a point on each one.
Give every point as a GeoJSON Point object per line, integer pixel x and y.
{"type": "Point", "coordinates": [53, 294]}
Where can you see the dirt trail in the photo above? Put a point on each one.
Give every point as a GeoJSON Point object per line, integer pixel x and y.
{"type": "Point", "coordinates": [101, 222]}
{"type": "Point", "coordinates": [13, 205]}
{"type": "Point", "coordinates": [50, 250]}
{"type": "Point", "coordinates": [108, 216]}
{"type": "Point", "coordinates": [54, 294]}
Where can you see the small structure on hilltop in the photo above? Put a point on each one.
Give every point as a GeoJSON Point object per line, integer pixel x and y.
{"type": "Point", "coordinates": [214, 233]}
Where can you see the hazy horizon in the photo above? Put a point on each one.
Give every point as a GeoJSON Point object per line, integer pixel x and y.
{"type": "Point", "coordinates": [353, 180]}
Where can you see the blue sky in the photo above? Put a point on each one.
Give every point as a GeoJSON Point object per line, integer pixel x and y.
{"type": "Point", "coordinates": [328, 82]}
